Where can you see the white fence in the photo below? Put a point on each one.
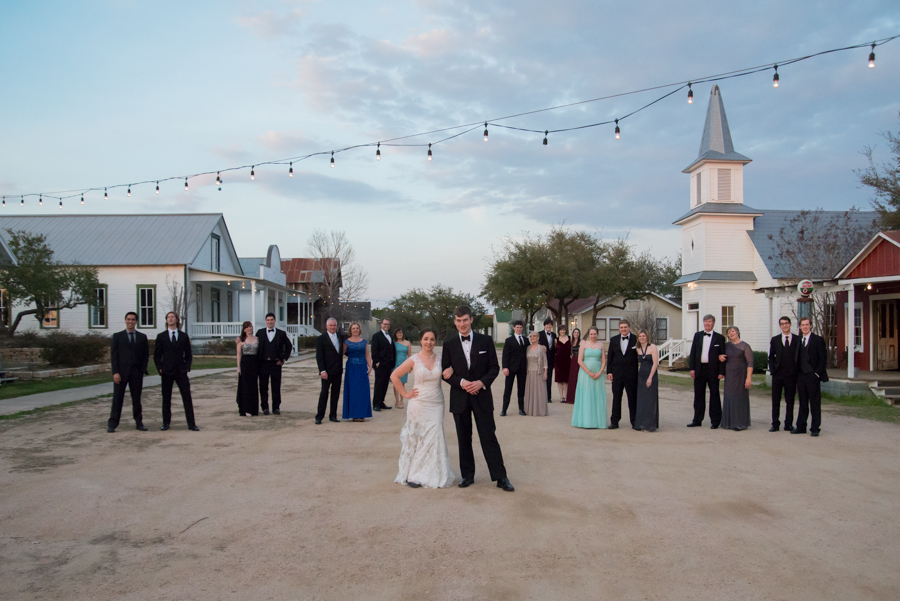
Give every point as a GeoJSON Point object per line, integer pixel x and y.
{"type": "Point", "coordinates": [672, 350]}
{"type": "Point", "coordinates": [217, 329]}
{"type": "Point", "coordinates": [301, 330]}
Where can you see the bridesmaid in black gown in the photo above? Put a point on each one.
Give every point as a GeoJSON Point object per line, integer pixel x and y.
{"type": "Point", "coordinates": [647, 418]}
{"type": "Point", "coordinates": [574, 367]}
{"type": "Point", "coordinates": [248, 371]}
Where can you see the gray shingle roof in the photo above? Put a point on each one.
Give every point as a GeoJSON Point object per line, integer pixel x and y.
{"type": "Point", "coordinates": [716, 144]}
{"type": "Point", "coordinates": [717, 276]}
{"type": "Point", "coordinates": [251, 266]}
{"type": "Point", "coordinates": [730, 208]}
{"type": "Point", "coordinates": [118, 239]}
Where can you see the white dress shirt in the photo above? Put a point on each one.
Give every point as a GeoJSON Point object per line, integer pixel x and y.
{"type": "Point", "coordinates": [624, 343]}
{"type": "Point", "coordinates": [467, 348]}
{"type": "Point", "coordinates": [521, 342]}
{"type": "Point", "coordinates": [334, 341]}
{"type": "Point", "coordinates": [707, 340]}
{"type": "Point", "coordinates": [270, 334]}
{"type": "Point", "coordinates": [805, 340]}
{"type": "Point", "coordinates": [173, 335]}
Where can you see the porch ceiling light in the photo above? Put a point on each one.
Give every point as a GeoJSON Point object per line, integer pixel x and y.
{"type": "Point", "coordinates": [868, 286]}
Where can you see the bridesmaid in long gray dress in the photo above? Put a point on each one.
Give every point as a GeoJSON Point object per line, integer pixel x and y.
{"type": "Point", "coordinates": [647, 418]}
{"type": "Point", "coordinates": [738, 369]}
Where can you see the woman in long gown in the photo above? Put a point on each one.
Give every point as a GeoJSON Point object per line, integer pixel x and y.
{"type": "Point", "coordinates": [248, 371]}
{"type": "Point", "coordinates": [647, 418]}
{"type": "Point", "coordinates": [590, 397]}
{"type": "Point", "coordinates": [738, 360]}
{"type": "Point", "coordinates": [357, 396]}
{"type": "Point", "coordinates": [562, 361]}
{"type": "Point", "coordinates": [424, 460]}
{"type": "Point", "coordinates": [574, 368]}
{"type": "Point", "coordinates": [402, 347]}
{"type": "Point", "coordinates": [536, 378]}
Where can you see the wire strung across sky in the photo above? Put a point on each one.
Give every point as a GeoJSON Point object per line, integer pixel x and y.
{"type": "Point", "coordinates": [465, 128]}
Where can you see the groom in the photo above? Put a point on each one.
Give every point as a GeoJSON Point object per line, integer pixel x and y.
{"type": "Point", "coordinates": [474, 361]}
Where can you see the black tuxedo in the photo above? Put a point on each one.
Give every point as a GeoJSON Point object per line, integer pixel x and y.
{"type": "Point", "coordinates": [129, 360]}
{"type": "Point", "coordinates": [812, 364]}
{"type": "Point", "coordinates": [544, 340]}
{"type": "Point", "coordinates": [329, 360]}
{"type": "Point", "coordinates": [515, 361]}
{"type": "Point", "coordinates": [482, 366]}
{"type": "Point", "coordinates": [173, 362]}
{"type": "Point", "coordinates": [783, 368]}
{"type": "Point", "coordinates": [384, 355]}
{"type": "Point", "coordinates": [706, 375]}
{"type": "Point", "coordinates": [270, 353]}
{"type": "Point", "coordinates": [623, 367]}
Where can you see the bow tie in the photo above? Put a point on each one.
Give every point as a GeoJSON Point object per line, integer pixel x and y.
{"type": "Point", "coordinates": [710, 335]}
{"type": "Point", "coordinates": [466, 338]}
{"type": "Point", "coordinates": [270, 330]}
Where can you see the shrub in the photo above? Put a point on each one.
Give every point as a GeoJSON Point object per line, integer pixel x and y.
{"type": "Point", "coordinates": [218, 346]}
{"type": "Point", "coordinates": [306, 342]}
{"type": "Point", "coordinates": [70, 350]}
{"type": "Point", "coordinates": [760, 362]}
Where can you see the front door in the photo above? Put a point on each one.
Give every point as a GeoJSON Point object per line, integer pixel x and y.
{"type": "Point", "coordinates": [886, 328]}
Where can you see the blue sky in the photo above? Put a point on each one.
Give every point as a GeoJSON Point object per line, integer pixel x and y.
{"type": "Point", "coordinates": [103, 93]}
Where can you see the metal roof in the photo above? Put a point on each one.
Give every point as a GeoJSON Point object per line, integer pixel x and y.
{"type": "Point", "coordinates": [727, 208]}
{"type": "Point", "coordinates": [716, 144]}
{"type": "Point", "coordinates": [118, 239]}
{"type": "Point", "coordinates": [251, 266]}
{"type": "Point", "coordinates": [717, 276]}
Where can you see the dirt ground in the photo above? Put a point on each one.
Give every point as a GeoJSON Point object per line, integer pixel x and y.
{"type": "Point", "coordinates": [275, 507]}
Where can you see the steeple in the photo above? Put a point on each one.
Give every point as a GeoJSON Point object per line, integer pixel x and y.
{"type": "Point", "coordinates": [716, 144]}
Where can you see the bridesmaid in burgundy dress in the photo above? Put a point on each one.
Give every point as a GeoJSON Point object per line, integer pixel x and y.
{"type": "Point", "coordinates": [575, 341]}
{"type": "Point", "coordinates": [563, 361]}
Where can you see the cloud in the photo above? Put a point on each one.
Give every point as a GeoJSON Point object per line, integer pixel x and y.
{"type": "Point", "coordinates": [268, 24]}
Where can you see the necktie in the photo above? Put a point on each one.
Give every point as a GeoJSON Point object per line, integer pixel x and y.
{"type": "Point", "coordinates": [173, 335]}
{"type": "Point", "coordinates": [520, 341]}
{"type": "Point", "coordinates": [131, 338]}
{"type": "Point", "coordinates": [466, 338]}
{"type": "Point", "coordinates": [787, 342]}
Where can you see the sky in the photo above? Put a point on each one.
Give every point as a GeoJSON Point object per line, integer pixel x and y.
{"type": "Point", "coordinates": [102, 93]}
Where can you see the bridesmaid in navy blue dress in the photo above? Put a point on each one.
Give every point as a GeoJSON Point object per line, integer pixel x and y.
{"type": "Point", "coordinates": [357, 396]}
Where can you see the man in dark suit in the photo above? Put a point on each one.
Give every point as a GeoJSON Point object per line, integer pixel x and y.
{"type": "Point", "coordinates": [384, 355]}
{"type": "Point", "coordinates": [274, 350]}
{"type": "Point", "coordinates": [812, 363]}
{"type": "Point", "coordinates": [129, 354]}
{"type": "Point", "coordinates": [173, 358]}
{"type": "Point", "coordinates": [474, 361]}
{"type": "Point", "coordinates": [783, 350]}
{"type": "Point", "coordinates": [331, 369]}
{"type": "Point", "coordinates": [547, 339]}
{"type": "Point", "coordinates": [515, 367]}
{"type": "Point", "coordinates": [707, 369]}
{"type": "Point", "coordinates": [622, 367]}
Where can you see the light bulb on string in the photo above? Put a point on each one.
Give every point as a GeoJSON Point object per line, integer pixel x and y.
{"type": "Point", "coordinates": [429, 152]}
{"type": "Point", "coordinates": [218, 181]}
{"type": "Point", "coordinates": [253, 172]}
{"type": "Point", "coordinates": [60, 204]}
{"type": "Point", "coordinates": [185, 185]}
{"type": "Point", "coordinates": [332, 159]}
{"type": "Point", "coordinates": [546, 133]}
{"type": "Point", "coordinates": [105, 195]}
{"type": "Point", "coordinates": [4, 201]}
{"type": "Point", "coordinates": [291, 170]}
{"type": "Point", "coordinates": [157, 187]}
{"type": "Point", "coordinates": [378, 152]}
{"type": "Point", "coordinates": [129, 190]}
{"type": "Point", "coordinates": [23, 201]}
{"type": "Point", "coordinates": [775, 79]}
{"type": "Point", "coordinates": [872, 57]}
{"type": "Point", "coordinates": [41, 200]}
{"type": "Point", "coordinates": [690, 94]}
{"type": "Point", "coordinates": [485, 132]}
{"type": "Point", "coordinates": [82, 199]}
{"type": "Point", "coordinates": [617, 129]}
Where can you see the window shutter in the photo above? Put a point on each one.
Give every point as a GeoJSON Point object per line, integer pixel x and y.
{"type": "Point", "coordinates": [724, 185]}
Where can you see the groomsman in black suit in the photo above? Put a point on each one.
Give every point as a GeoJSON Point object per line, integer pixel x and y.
{"type": "Point", "coordinates": [331, 369]}
{"type": "Point", "coordinates": [547, 339]}
{"type": "Point", "coordinates": [129, 354]}
{"type": "Point", "coordinates": [783, 351]}
{"type": "Point", "coordinates": [274, 350]}
{"type": "Point", "coordinates": [812, 361]}
{"type": "Point", "coordinates": [384, 355]}
{"type": "Point", "coordinates": [707, 369]}
{"type": "Point", "coordinates": [622, 367]}
{"type": "Point", "coordinates": [515, 366]}
{"type": "Point", "coordinates": [473, 358]}
{"type": "Point", "coordinates": [173, 358]}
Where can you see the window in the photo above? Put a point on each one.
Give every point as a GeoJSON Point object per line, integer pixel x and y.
{"type": "Point", "coordinates": [199, 303]}
{"type": "Point", "coordinates": [613, 326]}
{"type": "Point", "coordinates": [724, 185]}
{"type": "Point", "coordinates": [146, 306]}
{"type": "Point", "coordinates": [5, 313]}
{"type": "Point", "coordinates": [281, 313]}
{"type": "Point", "coordinates": [699, 193]}
{"type": "Point", "coordinates": [634, 305]}
{"type": "Point", "coordinates": [662, 329]}
{"type": "Point", "coordinates": [230, 303]}
{"type": "Point", "coordinates": [693, 306]}
{"type": "Point", "coordinates": [51, 315]}
{"type": "Point", "coordinates": [831, 325]}
{"type": "Point", "coordinates": [727, 319]}
{"type": "Point", "coordinates": [857, 328]}
{"type": "Point", "coordinates": [600, 324]}
{"type": "Point", "coordinates": [97, 309]}
{"type": "Point", "coordinates": [215, 305]}
{"type": "Point", "coordinates": [214, 259]}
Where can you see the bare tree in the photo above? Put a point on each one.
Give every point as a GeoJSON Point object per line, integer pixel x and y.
{"type": "Point", "coordinates": [180, 299]}
{"type": "Point", "coordinates": [645, 319]}
{"type": "Point", "coordinates": [344, 279]}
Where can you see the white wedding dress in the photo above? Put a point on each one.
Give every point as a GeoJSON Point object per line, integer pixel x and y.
{"type": "Point", "coordinates": [423, 456]}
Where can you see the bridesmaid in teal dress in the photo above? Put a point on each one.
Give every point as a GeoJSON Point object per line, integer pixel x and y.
{"type": "Point", "coordinates": [403, 351]}
{"type": "Point", "coordinates": [590, 393]}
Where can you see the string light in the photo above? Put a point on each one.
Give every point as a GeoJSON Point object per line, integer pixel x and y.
{"type": "Point", "coordinates": [4, 201]}
{"type": "Point", "coordinates": [617, 129]}
{"type": "Point", "coordinates": [775, 79]}
{"type": "Point", "coordinates": [429, 152]}
{"type": "Point", "coordinates": [185, 185]}
{"type": "Point", "coordinates": [41, 200]}
{"type": "Point", "coordinates": [82, 199]}
{"type": "Point", "coordinates": [157, 187]}
{"type": "Point", "coordinates": [291, 170]}
{"type": "Point", "coordinates": [546, 133]}
{"type": "Point", "coordinates": [872, 57]}
{"type": "Point", "coordinates": [60, 204]}
{"type": "Point", "coordinates": [129, 190]}
{"type": "Point", "coordinates": [332, 159]}
{"type": "Point", "coordinates": [105, 195]}
{"type": "Point", "coordinates": [253, 172]}
{"type": "Point", "coordinates": [690, 94]}
{"type": "Point", "coordinates": [218, 181]}
{"type": "Point", "coordinates": [485, 132]}
{"type": "Point", "coordinates": [378, 152]}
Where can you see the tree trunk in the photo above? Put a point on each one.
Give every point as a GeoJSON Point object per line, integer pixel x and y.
{"type": "Point", "coordinates": [15, 324]}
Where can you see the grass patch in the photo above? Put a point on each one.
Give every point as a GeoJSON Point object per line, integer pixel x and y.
{"type": "Point", "coordinates": [863, 406]}
{"type": "Point", "coordinates": [198, 363]}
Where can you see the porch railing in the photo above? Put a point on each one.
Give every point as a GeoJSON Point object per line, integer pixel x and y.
{"type": "Point", "coordinates": [301, 330]}
{"type": "Point", "coordinates": [215, 329]}
{"type": "Point", "coordinates": [672, 350]}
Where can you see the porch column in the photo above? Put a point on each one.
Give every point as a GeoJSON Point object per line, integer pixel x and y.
{"type": "Point", "coordinates": [253, 304]}
{"type": "Point", "coordinates": [771, 312]}
{"type": "Point", "coordinates": [851, 330]}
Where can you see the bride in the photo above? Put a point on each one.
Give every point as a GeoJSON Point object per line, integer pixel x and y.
{"type": "Point", "coordinates": [423, 456]}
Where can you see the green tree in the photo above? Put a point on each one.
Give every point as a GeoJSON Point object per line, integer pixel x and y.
{"type": "Point", "coordinates": [38, 280]}
{"type": "Point", "coordinates": [884, 179]}
{"type": "Point", "coordinates": [420, 308]}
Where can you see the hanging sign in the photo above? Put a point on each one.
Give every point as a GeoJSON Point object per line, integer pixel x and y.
{"type": "Point", "coordinates": [805, 287]}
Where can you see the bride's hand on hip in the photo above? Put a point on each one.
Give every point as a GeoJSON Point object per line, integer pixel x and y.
{"type": "Point", "coordinates": [413, 394]}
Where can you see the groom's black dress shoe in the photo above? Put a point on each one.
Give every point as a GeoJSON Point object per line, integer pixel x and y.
{"type": "Point", "coordinates": [522, 412]}
{"type": "Point", "coordinates": [164, 427]}
{"type": "Point", "coordinates": [503, 414]}
{"type": "Point", "coordinates": [505, 485]}
{"type": "Point", "coordinates": [194, 429]}
{"type": "Point", "coordinates": [613, 426]}
{"type": "Point", "coordinates": [466, 482]}
{"type": "Point", "coordinates": [796, 431]}
{"type": "Point", "coordinates": [276, 411]}
{"type": "Point", "coordinates": [376, 408]}
{"type": "Point", "coordinates": [334, 419]}
{"type": "Point", "coordinates": [413, 484]}
{"type": "Point", "coordinates": [318, 422]}
{"type": "Point", "coordinates": [714, 427]}
{"type": "Point", "coordinates": [773, 429]}
{"type": "Point", "coordinates": [265, 412]}
{"type": "Point", "coordinates": [386, 407]}
{"type": "Point", "coordinates": [110, 430]}
{"type": "Point", "coordinates": [694, 425]}
{"type": "Point", "coordinates": [141, 427]}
